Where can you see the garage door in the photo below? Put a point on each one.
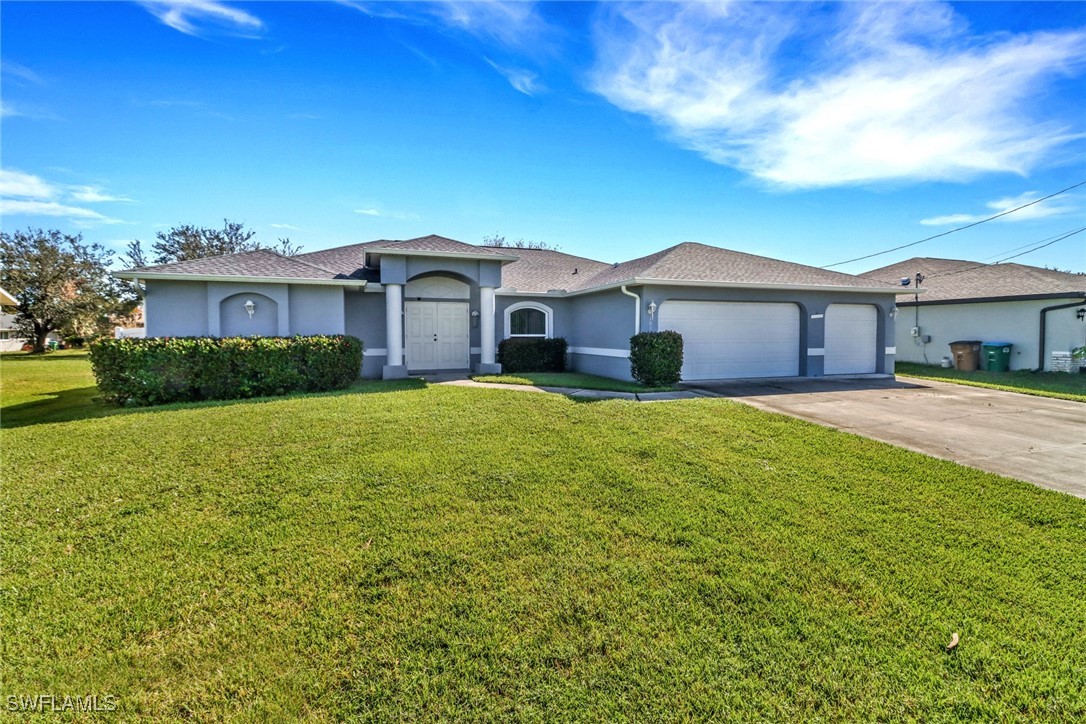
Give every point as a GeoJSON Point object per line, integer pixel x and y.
{"type": "Point", "coordinates": [851, 333]}
{"type": "Point", "coordinates": [723, 340]}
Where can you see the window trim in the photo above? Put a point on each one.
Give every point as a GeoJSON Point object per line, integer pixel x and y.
{"type": "Point", "coordinates": [548, 316]}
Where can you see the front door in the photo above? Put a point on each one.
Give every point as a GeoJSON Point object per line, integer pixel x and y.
{"type": "Point", "coordinates": [437, 336]}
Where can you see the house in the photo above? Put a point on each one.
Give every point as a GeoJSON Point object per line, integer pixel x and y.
{"type": "Point", "coordinates": [432, 303]}
{"type": "Point", "coordinates": [1038, 310]}
{"type": "Point", "coordinates": [10, 339]}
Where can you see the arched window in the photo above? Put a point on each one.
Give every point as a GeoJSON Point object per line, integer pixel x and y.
{"type": "Point", "coordinates": [528, 319]}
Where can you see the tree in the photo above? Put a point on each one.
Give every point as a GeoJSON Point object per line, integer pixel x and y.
{"type": "Point", "coordinates": [59, 283]}
{"type": "Point", "coordinates": [196, 242]}
{"type": "Point", "coordinates": [499, 241]}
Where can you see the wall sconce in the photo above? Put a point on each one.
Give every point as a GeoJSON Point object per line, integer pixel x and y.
{"type": "Point", "coordinates": [1081, 314]}
{"type": "Point", "coordinates": [475, 318]}
{"type": "Point", "coordinates": [893, 312]}
{"type": "Point", "coordinates": [250, 307]}
{"type": "Point", "coordinates": [652, 309]}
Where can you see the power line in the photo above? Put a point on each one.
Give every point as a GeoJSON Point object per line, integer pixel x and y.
{"type": "Point", "coordinates": [960, 228]}
{"type": "Point", "coordinates": [1042, 244]}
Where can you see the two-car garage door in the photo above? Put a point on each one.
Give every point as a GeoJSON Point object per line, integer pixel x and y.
{"type": "Point", "coordinates": [724, 340]}
{"type": "Point", "coordinates": [728, 340]}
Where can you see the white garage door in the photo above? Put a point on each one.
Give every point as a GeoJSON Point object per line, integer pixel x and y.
{"type": "Point", "coordinates": [723, 340]}
{"type": "Point", "coordinates": [851, 332]}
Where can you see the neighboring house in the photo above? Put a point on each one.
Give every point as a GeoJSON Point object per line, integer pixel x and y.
{"type": "Point", "coordinates": [432, 303]}
{"type": "Point", "coordinates": [10, 338]}
{"type": "Point", "coordinates": [1037, 310]}
{"type": "Point", "coordinates": [10, 341]}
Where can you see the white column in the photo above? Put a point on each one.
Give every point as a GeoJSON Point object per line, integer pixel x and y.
{"type": "Point", "coordinates": [486, 325]}
{"type": "Point", "coordinates": [394, 324]}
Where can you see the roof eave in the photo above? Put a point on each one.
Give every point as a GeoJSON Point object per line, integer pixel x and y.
{"type": "Point", "coordinates": [634, 281]}
{"type": "Point", "coordinates": [1005, 298]}
{"type": "Point", "coordinates": [504, 258]}
{"type": "Point", "coordinates": [136, 276]}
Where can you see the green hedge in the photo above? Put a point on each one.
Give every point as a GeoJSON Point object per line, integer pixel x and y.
{"type": "Point", "coordinates": [532, 354]}
{"type": "Point", "coordinates": [160, 370]}
{"type": "Point", "coordinates": [656, 358]}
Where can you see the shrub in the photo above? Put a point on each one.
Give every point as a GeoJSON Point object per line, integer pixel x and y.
{"type": "Point", "coordinates": [656, 358]}
{"type": "Point", "coordinates": [160, 370]}
{"type": "Point", "coordinates": [532, 354]}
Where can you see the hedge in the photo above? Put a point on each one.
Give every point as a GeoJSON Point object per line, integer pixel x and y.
{"type": "Point", "coordinates": [532, 354]}
{"type": "Point", "coordinates": [656, 358]}
{"type": "Point", "coordinates": [160, 370]}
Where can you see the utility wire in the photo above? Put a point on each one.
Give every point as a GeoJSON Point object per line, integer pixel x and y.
{"type": "Point", "coordinates": [1042, 244]}
{"type": "Point", "coordinates": [960, 228]}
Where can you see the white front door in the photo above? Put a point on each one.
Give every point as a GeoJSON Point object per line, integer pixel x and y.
{"type": "Point", "coordinates": [437, 336]}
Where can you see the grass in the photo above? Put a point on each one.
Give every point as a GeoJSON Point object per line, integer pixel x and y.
{"type": "Point", "coordinates": [1060, 385]}
{"type": "Point", "coordinates": [449, 552]}
{"type": "Point", "coordinates": [574, 380]}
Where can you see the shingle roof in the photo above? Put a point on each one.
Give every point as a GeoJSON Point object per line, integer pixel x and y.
{"type": "Point", "coordinates": [946, 279]}
{"type": "Point", "coordinates": [692, 262]}
{"type": "Point", "coordinates": [260, 263]}
{"type": "Point", "coordinates": [532, 270]}
{"type": "Point", "coordinates": [541, 270]}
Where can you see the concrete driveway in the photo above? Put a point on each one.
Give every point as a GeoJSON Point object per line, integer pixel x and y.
{"type": "Point", "coordinates": [1036, 439]}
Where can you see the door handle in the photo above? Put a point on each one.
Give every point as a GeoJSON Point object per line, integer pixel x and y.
{"type": "Point", "coordinates": [435, 337]}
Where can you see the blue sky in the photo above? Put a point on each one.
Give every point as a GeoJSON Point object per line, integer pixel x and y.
{"type": "Point", "coordinates": [809, 132]}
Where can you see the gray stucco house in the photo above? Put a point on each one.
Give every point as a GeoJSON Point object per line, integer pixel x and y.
{"type": "Point", "coordinates": [432, 303]}
{"type": "Point", "coordinates": [1035, 309]}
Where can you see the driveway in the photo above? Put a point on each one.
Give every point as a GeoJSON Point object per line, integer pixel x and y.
{"type": "Point", "coordinates": [1036, 439]}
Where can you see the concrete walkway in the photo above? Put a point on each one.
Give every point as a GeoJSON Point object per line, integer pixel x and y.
{"type": "Point", "coordinates": [579, 394]}
{"type": "Point", "coordinates": [1037, 439]}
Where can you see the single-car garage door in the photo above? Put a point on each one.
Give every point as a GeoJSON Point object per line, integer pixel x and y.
{"type": "Point", "coordinates": [723, 340]}
{"type": "Point", "coordinates": [851, 332]}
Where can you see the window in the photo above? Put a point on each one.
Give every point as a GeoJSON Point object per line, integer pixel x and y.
{"type": "Point", "coordinates": [5, 335]}
{"type": "Point", "coordinates": [528, 319]}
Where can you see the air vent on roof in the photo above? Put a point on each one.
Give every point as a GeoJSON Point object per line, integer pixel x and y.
{"type": "Point", "coordinates": [574, 270]}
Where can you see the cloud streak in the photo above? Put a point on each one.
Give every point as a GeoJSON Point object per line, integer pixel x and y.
{"type": "Point", "coordinates": [202, 17]}
{"type": "Point", "coordinates": [1060, 206]}
{"type": "Point", "coordinates": [24, 194]}
{"type": "Point", "coordinates": [899, 92]}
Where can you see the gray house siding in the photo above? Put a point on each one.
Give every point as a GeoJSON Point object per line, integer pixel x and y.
{"type": "Point", "coordinates": [364, 317]}
{"type": "Point", "coordinates": [316, 310]}
{"type": "Point", "coordinates": [175, 309]}
{"type": "Point", "coordinates": [602, 324]}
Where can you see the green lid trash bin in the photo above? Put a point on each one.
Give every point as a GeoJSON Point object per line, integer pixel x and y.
{"type": "Point", "coordinates": [53, 344]}
{"type": "Point", "coordinates": [966, 355]}
{"type": "Point", "coordinates": [997, 356]}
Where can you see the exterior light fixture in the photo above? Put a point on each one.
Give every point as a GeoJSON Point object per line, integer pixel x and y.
{"type": "Point", "coordinates": [652, 309]}
{"type": "Point", "coordinates": [475, 318]}
{"type": "Point", "coordinates": [250, 307]}
{"type": "Point", "coordinates": [893, 312]}
{"type": "Point", "coordinates": [1081, 313]}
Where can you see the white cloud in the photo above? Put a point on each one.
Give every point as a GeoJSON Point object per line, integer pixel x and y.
{"type": "Point", "coordinates": [16, 207]}
{"type": "Point", "coordinates": [92, 194]}
{"type": "Point", "coordinates": [883, 92]}
{"type": "Point", "coordinates": [24, 185]}
{"type": "Point", "coordinates": [287, 227]}
{"type": "Point", "coordinates": [20, 74]}
{"type": "Point", "coordinates": [24, 194]}
{"type": "Point", "coordinates": [524, 81]}
{"type": "Point", "coordinates": [199, 17]}
{"type": "Point", "coordinates": [1059, 206]}
{"type": "Point", "coordinates": [373, 211]}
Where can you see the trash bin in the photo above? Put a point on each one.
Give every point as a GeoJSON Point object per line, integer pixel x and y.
{"type": "Point", "coordinates": [997, 356]}
{"type": "Point", "coordinates": [53, 344]}
{"type": "Point", "coordinates": [966, 355]}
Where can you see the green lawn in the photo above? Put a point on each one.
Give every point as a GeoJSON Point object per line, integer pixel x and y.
{"type": "Point", "coordinates": [450, 552]}
{"type": "Point", "coordinates": [1043, 384]}
{"type": "Point", "coordinates": [573, 380]}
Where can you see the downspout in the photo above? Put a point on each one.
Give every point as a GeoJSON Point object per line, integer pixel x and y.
{"type": "Point", "coordinates": [637, 309]}
{"type": "Point", "coordinates": [1041, 343]}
